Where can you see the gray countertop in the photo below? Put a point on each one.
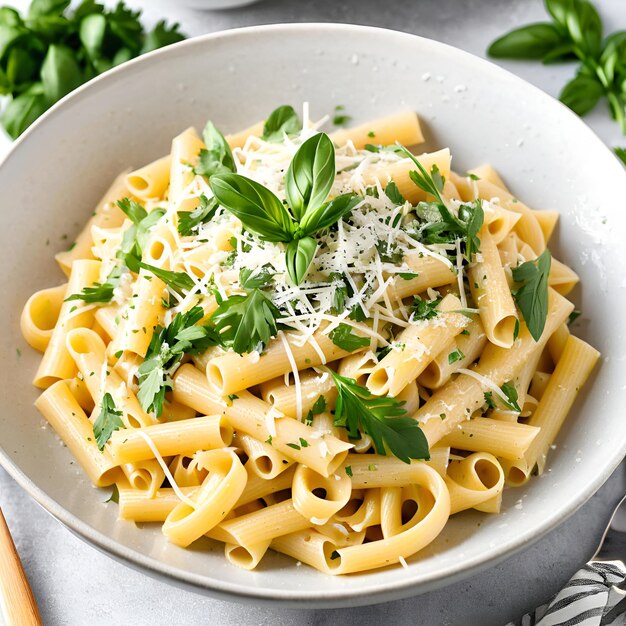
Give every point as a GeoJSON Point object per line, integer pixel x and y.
{"type": "Point", "coordinates": [75, 584]}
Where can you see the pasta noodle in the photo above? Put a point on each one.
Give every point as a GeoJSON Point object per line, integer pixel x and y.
{"type": "Point", "coordinates": [315, 344]}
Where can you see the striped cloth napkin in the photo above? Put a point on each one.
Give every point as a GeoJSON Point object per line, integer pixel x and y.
{"type": "Point", "coordinates": [592, 597]}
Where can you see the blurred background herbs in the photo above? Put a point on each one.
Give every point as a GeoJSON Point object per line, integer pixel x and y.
{"type": "Point", "coordinates": [53, 49]}
{"type": "Point", "coordinates": [575, 34]}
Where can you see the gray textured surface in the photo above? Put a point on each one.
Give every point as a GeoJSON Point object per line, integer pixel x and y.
{"type": "Point", "coordinates": [74, 584]}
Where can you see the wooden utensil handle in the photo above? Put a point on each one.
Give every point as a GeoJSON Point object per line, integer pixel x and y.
{"type": "Point", "coordinates": [16, 596]}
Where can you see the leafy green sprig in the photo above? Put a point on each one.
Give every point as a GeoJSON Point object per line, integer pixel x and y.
{"type": "Point", "coordinates": [165, 352]}
{"type": "Point", "coordinates": [308, 181]}
{"type": "Point", "coordinates": [442, 225]}
{"type": "Point", "coordinates": [52, 49]}
{"type": "Point", "coordinates": [108, 420]}
{"type": "Point", "coordinates": [99, 292]}
{"type": "Point", "coordinates": [532, 293]}
{"type": "Point", "coordinates": [383, 418]}
{"type": "Point", "coordinates": [575, 33]}
{"type": "Point", "coordinates": [281, 121]}
{"type": "Point", "coordinates": [136, 235]}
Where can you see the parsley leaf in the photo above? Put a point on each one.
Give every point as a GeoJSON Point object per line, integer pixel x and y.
{"type": "Point", "coordinates": [455, 356]}
{"type": "Point", "coordinates": [393, 193]}
{"type": "Point", "coordinates": [344, 337]}
{"type": "Point", "coordinates": [383, 418]}
{"type": "Point", "coordinates": [136, 236]}
{"type": "Point", "coordinates": [424, 309]}
{"type": "Point", "coordinates": [340, 118]}
{"type": "Point", "coordinates": [532, 295]}
{"type": "Point", "coordinates": [489, 401]}
{"type": "Point", "coordinates": [255, 280]}
{"type": "Point", "coordinates": [110, 419]}
{"type": "Point", "coordinates": [178, 281]}
{"type": "Point", "coordinates": [281, 121]}
{"type": "Point", "coordinates": [445, 227]}
{"type": "Point", "coordinates": [246, 323]}
{"type": "Point", "coordinates": [319, 406]}
{"type": "Point", "coordinates": [203, 213]}
{"type": "Point", "coordinates": [217, 157]}
{"type": "Point", "coordinates": [389, 252]}
{"type": "Point", "coordinates": [100, 292]}
{"type": "Point", "coordinates": [165, 352]}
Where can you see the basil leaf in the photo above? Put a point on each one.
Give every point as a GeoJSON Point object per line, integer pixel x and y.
{"type": "Point", "coordinates": [532, 296]}
{"type": "Point", "coordinates": [328, 213]}
{"type": "Point", "coordinates": [281, 121]}
{"type": "Point", "coordinates": [560, 53]}
{"type": "Point", "coordinates": [92, 31]}
{"type": "Point", "coordinates": [344, 337]}
{"type": "Point", "coordinates": [39, 8]}
{"type": "Point", "coordinates": [60, 73]}
{"type": "Point", "coordinates": [581, 94]}
{"type": "Point", "coordinates": [22, 111]}
{"type": "Point", "coordinates": [259, 210]}
{"type": "Point", "coordinates": [584, 26]}
{"type": "Point", "coordinates": [21, 68]}
{"type": "Point", "coordinates": [559, 9]}
{"type": "Point", "coordinates": [298, 257]}
{"type": "Point", "coordinates": [217, 158]}
{"type": "Point", "coordinates": [529, 42]}
{"type": "Point", "coordinates": [621, 154]}
{"type": "Point", "coordinates": [310, 174]}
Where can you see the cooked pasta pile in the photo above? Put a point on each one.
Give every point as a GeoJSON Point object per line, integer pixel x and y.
{"type": "Point", "coordinates": [315, 343]}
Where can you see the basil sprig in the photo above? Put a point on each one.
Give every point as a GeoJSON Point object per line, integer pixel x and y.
{"type": "Point", "coordinates": [308, 181]}
{"type": "Point", "coordinates": [53, 48]}
{"type": "Point", "coordinates": [575, 33]}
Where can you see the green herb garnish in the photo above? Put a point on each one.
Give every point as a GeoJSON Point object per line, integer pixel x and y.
{"type": "Point", "coordinates": [455, 356]}
{"type": "Point", "coordinates": [532, 295]}
{"type": "Point", "coordinates": [110, 419]}
{"type": "Point", "coordinates": [203, 213]}
{"type": "Point", "coordinates": [424, 309]}
{"type": "Point", "coordinates": [53, 49]}
{"type": "Point", "coordinates": [281, 121]}
{"type": "Point", "coordinates": [167, 348]}
{"type": "Point", "coordinates": [575, 34]}
{"type": "Point", "coordinates": [247, 322]}
{"type": "Point", "coordinates": [344, 337]}
{"type": "Point", "coordinates": [308, 180]}
{"type": "Point", "coordinates": [383, 418]}
{"type": "Point", "coordinates": [100, 292]}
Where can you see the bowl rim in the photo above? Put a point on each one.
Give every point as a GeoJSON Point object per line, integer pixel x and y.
{"type": "Point", "coordinates": [369, 592]}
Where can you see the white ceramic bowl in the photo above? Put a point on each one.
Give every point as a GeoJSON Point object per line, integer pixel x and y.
{"type": "Point", "coordinates": [59, 168]}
